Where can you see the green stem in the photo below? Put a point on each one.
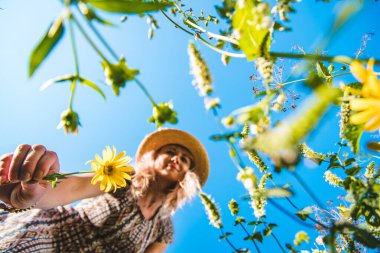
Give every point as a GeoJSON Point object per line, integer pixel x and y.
{"type": "Point", "coordinates": [49, 177]}
{"type": "Point", "coordinates": [253, 241]}
{"type": "Point", "coordinates": [100, 37]}
{"type": "Point", "coordinates": [344, 59]}
{"type": "Point", "coordinates": [78, 172]}
{"type": "Point", "coordinates": [238, 162]}
{"type": "Point", "coordinates": [74, 82]}
{"type": "Point", "coordinates": [216, 36]}
{"type": "Point", "coordinates": [304, 79]}
{"type": "Point", "coordinates": [278, 242]}
{"type": "Point", "coordinates": [142, 87]}
{"type": "Point", "coordinates": [72, 92]}
{"type": "Point", "coordinates": [114, 55]}
{"type": "Point", "coordinates": [88, 39]}
{"type": "Point", "coordinates": [203, 40]}
{"type": "Point", "coordinates": [307, 189]}
{"type": "Point", "coordinates": [276, 239]}
{"type": "Point", "coordinates": [228, 241]}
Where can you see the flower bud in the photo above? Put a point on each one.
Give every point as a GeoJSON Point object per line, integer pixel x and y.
{"type": "Point", "coordinates": [234, 207]}
{"type": "Point", "coordinates": [163, 113]}
{"type": "Point", "coordinates": [69, 122]}
{"type": "Point", "coordinates": [200, 71]}
{"type": "Point", "coordinates": [118, 74]}
{"type": "Point", "coordinates": [211, 103]}
{"type": "Point", "coordinates": [211, 210]}
{"type": "Point", "coordinates": [228, 121]}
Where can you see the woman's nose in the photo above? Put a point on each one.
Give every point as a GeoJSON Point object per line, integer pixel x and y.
{"type": "Point", "coordinates": [175, 158]}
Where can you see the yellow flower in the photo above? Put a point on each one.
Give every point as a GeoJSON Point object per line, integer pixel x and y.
{"type": "Point", "coordinates": [111, 170]}
{"type": "Point", "coordinates": [368, 106]}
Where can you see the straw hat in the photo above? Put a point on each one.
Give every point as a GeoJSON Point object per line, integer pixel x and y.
{"type": "Point", "coordinates": [160, 138]}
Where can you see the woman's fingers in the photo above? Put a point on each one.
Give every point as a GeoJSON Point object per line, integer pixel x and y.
{"type": "Point", "coordinates": [29, 166]}
{"type": "Point", "coordinates": [5, 162]}
{"type": "Point", "coordinates": [47, 164]}
{"type": "Point", "coordinates": [18, 159]}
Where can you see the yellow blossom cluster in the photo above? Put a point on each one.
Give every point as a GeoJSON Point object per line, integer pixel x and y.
{"type": "Point", "coordinates": [368, 105]}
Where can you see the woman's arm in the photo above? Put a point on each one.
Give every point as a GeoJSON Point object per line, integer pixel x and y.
{"type": "Point", "coordinates": [69, 190]}
{"type": "Point", "coordinates": [156, 247]}
{"type": "Point", "coordinates": [26, 167]}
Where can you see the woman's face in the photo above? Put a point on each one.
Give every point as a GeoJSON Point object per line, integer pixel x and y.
{"type": "Point", "coordinates": [172, 162]}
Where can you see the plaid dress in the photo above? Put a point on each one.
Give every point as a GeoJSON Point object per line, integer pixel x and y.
{"type": "Point", "coordinates": [111, 222]}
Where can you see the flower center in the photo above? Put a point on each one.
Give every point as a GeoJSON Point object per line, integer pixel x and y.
{"type": "Point", "coordinates": [108, 169]}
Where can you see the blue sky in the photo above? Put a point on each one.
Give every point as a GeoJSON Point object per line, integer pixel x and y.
{"type": "Point", "coordinates": [31, 116]}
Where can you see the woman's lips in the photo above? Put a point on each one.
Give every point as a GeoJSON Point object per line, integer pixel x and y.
{"type": "Point", "coordinates": [172, 166]}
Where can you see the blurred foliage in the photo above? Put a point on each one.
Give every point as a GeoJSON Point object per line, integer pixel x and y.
{"type": "Point", "coordinates": [247, 32]}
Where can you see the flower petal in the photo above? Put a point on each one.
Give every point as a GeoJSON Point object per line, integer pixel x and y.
{"type": "Point", "coordinates": [363, 117]}
{"type": "Point", "coordinates": [359, 104]}
{"type": "Point", "coordinates": [373, 124]}
{"type": "Point", "coordinates": [358, 71]}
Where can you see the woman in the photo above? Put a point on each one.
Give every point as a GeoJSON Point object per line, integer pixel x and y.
{"type": "Point", "coordinates": [170, 167]}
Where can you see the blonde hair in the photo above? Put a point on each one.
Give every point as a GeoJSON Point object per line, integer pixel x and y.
{"type": "Point", "coordinates": [176, 197]}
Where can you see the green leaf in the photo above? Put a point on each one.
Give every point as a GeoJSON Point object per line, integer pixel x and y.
{"type": "Point", "coordinates": [222, 237]}
{"type": "Point", "coordinates": [227, 9]}
{"type": "Point", "coordinates": [349, 161]}
{"type": "Point", "coordinates": [92, 85]}
{"type": "Point", "coordinates": [366, 238]}
{"type": "Point", "coordinates": [345, 12]}
{"type": "Point", "coordinates": [253, 41]}
{"type": "Point", "coordinates": [44, 47]}
{"type": "Point", "coordinates": [278, 192]}
{"type": "Point", "coordinates": [267, 231]}
{"type": "Point", "coordinates": [254, 223]}
{"type": "Point", "coordinates": [232, 153]}
{"type": "Point", "coordinates": [291, 248]}
{"type": "Point", "coordinates": [90, 14]}
{"type": "Point", "coordinates": [57, 80]}
{"type": "Point", "coordinates": [322, 70]}
{"type": "Point", "coordinates": [257, 236]}
{"type": "Point", "coordinates": [352, 171]}
{"type": "Point", "coordinates": [280, 27]}
{"type": "Point", "coordinates": [239, 220]}
{"type": "Point", "coordinates": [130, 6]}
{"type": "Point", "coordinates": [304, 213]}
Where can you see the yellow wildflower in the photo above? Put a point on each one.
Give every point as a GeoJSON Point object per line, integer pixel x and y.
{"type": "Point", "coordinates": [111, 170]}
{"type": "Point", "coordinates": [368, 106]}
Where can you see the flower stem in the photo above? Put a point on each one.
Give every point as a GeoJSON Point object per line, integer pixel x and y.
{"type": "Point", "coordinates": [216, 36]}
{"type": "Point", "coordinates": [73, 46]}
{"type": "Point", "coordinates": [100, 37]}
{"type": "Point", "coordinates": [72, 17]}
{"type": "Point", "coordinates": [228, 241]}
{"type": "Point", "coordinates": [238, 161]}
{"type": "Point", "coordinates": [253, 241]}
{"type": "Point", "coordinates": [307, 189]}
{"type": "Point", "coordinates": [203, 40]}
{"type": "Point", "coordinates": [344, 59]}
{"type": "Point", "coordinates": [287, 213]}
{"type": "Point", "coordinates": [277, 241]}
{"type": "Point", "coordinates": [142, 87]}
{"type": "Point", "coordinates": [75, 173]}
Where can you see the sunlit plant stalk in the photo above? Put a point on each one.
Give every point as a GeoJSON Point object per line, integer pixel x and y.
{"type": "Point", "coordinates": [74, 49]}
{"type": "Point", "coordinates": [72, 17]}
{"type": "Point", "coordinates": [315, 57]}
{"type": "Point", "coordinates": [114, 55]}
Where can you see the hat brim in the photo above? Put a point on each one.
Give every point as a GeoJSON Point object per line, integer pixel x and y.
{"type": "Point", "coordinates": [163, 137]}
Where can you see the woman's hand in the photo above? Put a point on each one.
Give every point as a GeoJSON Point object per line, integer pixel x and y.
{"type": "Point", "coordinates": [24, 170]}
